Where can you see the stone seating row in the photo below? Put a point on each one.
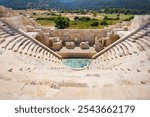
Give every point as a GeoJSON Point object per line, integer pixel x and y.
{"type": "Point", "coordinates": [133, 45]}
{"type": "Point", "coordinates": [18, 43]}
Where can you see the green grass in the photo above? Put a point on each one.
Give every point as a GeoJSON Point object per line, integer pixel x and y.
{"type": "Point", "coordinates": [46, 22]}
{"type": "Point", "coordinates": [82, 25]}
{"type": "Point", "coordinates": [122, 16]}
{"type": "Point", "coordinates": [87, 24]}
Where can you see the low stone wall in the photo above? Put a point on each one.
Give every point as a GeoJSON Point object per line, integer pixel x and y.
{"type": "Point", "coordinates": [78, 35]}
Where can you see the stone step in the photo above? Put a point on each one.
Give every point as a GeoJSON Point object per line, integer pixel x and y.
{"type": "Point", "coordinates": [124, 48]}
{"type": "Point", "coordinates": [138, 35]}
{"type": "Point", "coordinates": [128, 46]}
{"type": "Point", "coordinates": [25, 50]}
{"type": "Point", "coordinates": [99, 60]}
{"type": "Point", "coordinates": [132, 40]}
{"type": "Point", "coordinates": [117, 51]}
{"type": "Point", "coordinates": [102, 57]}
{"type": "Point", "coordinates": [56, 60]}
{"type": "Point", "coordinates": [112, 53]}
{"type": "Point", "coordinates": [147, 42]}
{"type": "Point", "coordinates": [45, 55]}
{"type": "Point", "coordinates": [52, 58]}
{"type": "Point", "coordinates": [22, 47]}
{"type": "Point", "coordinates": [147, 30]}
{"type": "Point", "coordinates": [121, 52]}
{"type": "Point", "coordinates": [143, 43]}
{"type": "Point", "coordinates": [42, 52]}
{"type": "Point", "coordinates": [134, 37]}
{"type": "Point", "coordinates": [35, 50]}
{"type": "Point", "coordinates": [142, 33]}
{"type": "Point", "coordinates": [30, 50]}
{"type": "Point", "coordinates": [133, 46]}
{"type": "Point", "coordinates": [115, 54]}
{"type": "Point", "coordinates": [5, 35]}
{"type": "Point", "coordinates": [9, 40]}
{"type": "Point", "coordinates": [2, 40]}
{"type": "Point", "coordinates": [140, 45]}
{"type": "Point", "coordinates": [148, 34]}
{"type": "Point", "coordinates": [13, 43]}
{"type": "Point", "coordinates": [106, 54]}
{"type": "Point", "coordinates": [39, 52]}
{"type": "Point", "coordinates": [17, 46]}
{"type": "Point", "coordinates": [146, 37]}
{"type": "Point", "coordinates": [2, 33]}
{"type": "Point", "coordinates": [109, 55]}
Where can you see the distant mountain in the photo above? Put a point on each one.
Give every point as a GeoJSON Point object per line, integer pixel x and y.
{"type": "Point", "coordinates": [76, 4]}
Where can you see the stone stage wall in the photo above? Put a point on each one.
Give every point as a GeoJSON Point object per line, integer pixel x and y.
{"type": "Point", "coordinates": [78, 35]}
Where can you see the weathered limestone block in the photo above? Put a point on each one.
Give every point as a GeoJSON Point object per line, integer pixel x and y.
{"type": "Point", "coordinates": [126, 23]}
{"type": "Point", "coordinates": [70, 45]}
{"type": "Point", "coordinates": [84, 45]}
{"type": "Point", "coordinates": [57, 46]}
{"type": "Point", "coordinates": [77, 40]}
{"type": "Point", "coordinates": [55, 43]}
{"type": "Point", "coordinates": [125, 28]}
{"type": "Point", "coordinates": [41, 37]}
{"type": "Point", "coordinates": [98, 46]}
{"type": "Point", "coordinates": [55, 39]}
{"type": "Point", "coordinates": [111, 38]}
{"type": "Point", "coordinates": [110, 34]}
{"type": "Point", "coordinates": [50, 42]}
{"type": "Point", "coordinates": [29, 28]}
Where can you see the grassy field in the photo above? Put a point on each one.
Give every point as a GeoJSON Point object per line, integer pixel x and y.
{"type": "Point", "coordinates": [46, 23]}
{"type": "Point", "coordinates": [81, 24]}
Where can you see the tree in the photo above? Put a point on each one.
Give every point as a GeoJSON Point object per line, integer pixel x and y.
{"type": "Point", "coordinates": [94, 13]}
{"type": "Point", "coordinates": [61, 22]}
{"type": "Point", "coordinates": [104, 22]}
{"type": "Point", "coordinates": [94, 23]}
{"type": "Point", "coordinates": [76, 18]}
{"type": "Point", "coordinates": [106, 18]}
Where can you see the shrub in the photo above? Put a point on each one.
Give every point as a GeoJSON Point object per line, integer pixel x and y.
{"type": "Point", "coordinates": [106, 18]}
{"type": "Point", "coordinates": [104, 22]}
{"type": "Point", "coordinates": [51, 19]}
{"type": "Point", "coordinates": [94, 23]}
{"type": "Point", "coordinates": [53, 14]}
{"type": "Point", "coordinates": [84, 18]}
{"type": "Point", "coordinates": [34, 13]}
{"type": "Point", "coordinates": [76, 18]}
{"type": "Point", "coordinates": [128, 19]}
{"type": "Point", "coordinates": [61, 22]}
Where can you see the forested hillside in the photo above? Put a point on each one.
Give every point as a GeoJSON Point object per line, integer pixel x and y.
{"type": "Point", "coordinates": [77, 4]}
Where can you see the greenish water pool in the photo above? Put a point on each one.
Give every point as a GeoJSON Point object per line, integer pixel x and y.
{"type": "Point", "coordinates": [76, 62]}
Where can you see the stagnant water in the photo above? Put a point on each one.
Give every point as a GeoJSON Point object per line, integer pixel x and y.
{"type": "Point", "coordinates": [77, 62]}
